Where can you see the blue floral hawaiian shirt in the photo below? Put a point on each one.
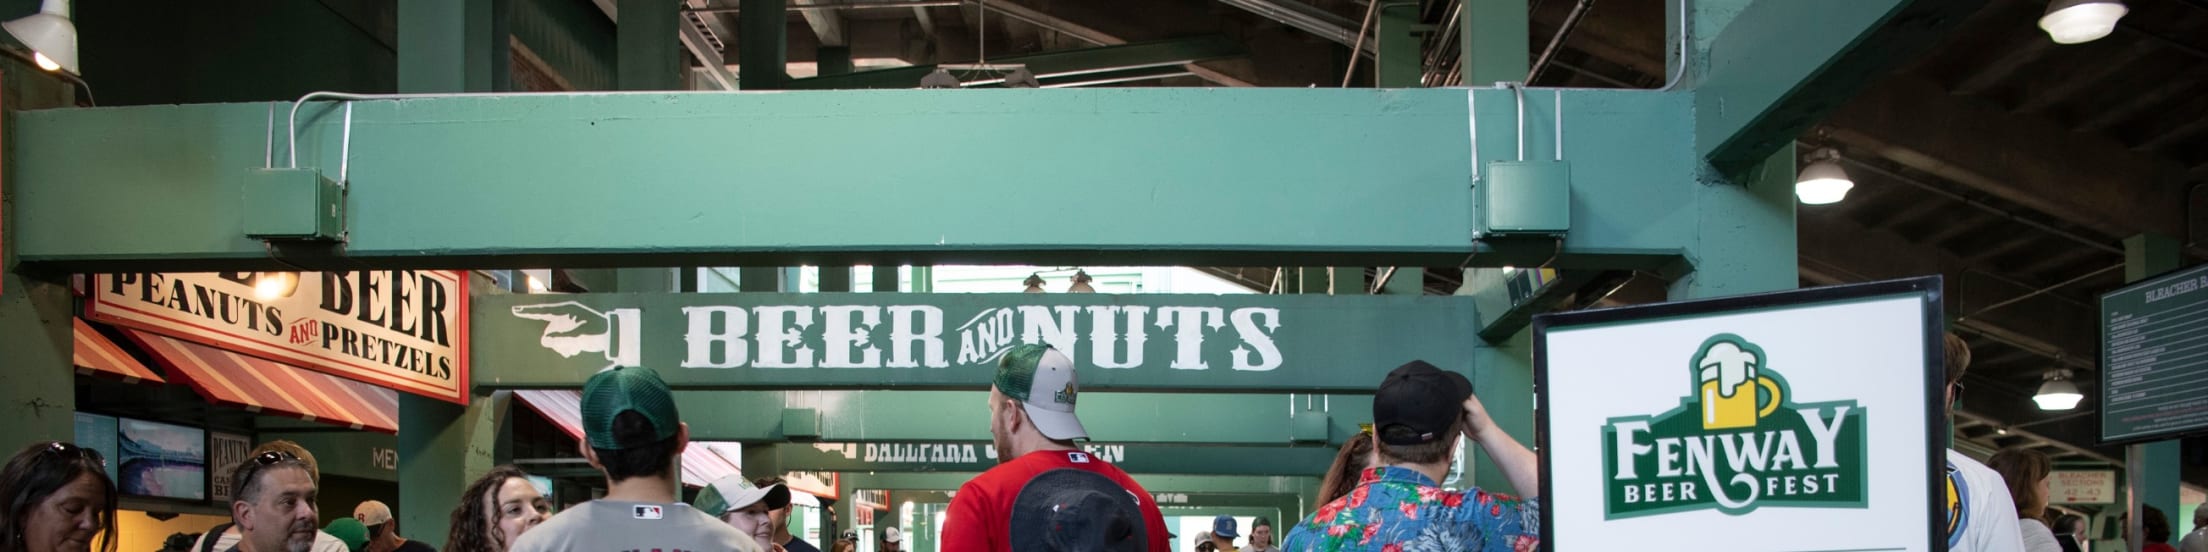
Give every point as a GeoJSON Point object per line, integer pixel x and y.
{"type": "Point", "coordinates": [1398, 510]}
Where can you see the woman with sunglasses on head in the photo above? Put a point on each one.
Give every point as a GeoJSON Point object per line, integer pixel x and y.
{"type": "Point", "coordinates": [56, 496]}
{"type": "Point", "coordinates": [495, 510]}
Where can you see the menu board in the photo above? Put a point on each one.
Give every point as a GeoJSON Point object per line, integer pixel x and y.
{"type": "Point", "coordinates": [2154, 358]}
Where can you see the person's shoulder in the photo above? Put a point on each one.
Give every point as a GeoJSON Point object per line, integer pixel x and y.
{"type": "Point", "coordinates": [414, 545]}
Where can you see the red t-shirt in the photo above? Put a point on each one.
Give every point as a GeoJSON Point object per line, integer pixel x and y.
{"type": "Point", "coordinates": [976, 520]}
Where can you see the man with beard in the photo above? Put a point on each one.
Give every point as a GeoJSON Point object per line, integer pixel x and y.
{"type": "Point", "coordinates": [274, 508]}
{"type": "Point", "coordinates": [1031, 420]}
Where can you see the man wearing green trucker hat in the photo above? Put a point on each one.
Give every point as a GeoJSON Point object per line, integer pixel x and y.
{"type": "Point", "coordinates": [632, 433]}
{"type": "Point", "coordinates": [1032, 422]}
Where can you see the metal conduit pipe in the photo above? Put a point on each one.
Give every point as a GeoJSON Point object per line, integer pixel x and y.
{"type": "Point", "coordinates": [1557, 42]}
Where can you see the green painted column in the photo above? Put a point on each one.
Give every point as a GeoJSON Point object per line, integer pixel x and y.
{"type": "Point", "coordinates": [835, 279]}
{"type": "Point", "coordinates": [2153, 467]}
{"type": "Point", "coordinates": [885, 278]}
{"type": "Point", "coordinates": [37, 383]}
{"type": "Point", "coordinates": [1348, 280]}
{"type": "Point", "coordinates": [833, 60]}
{"type": "Point", "coordinates": [444, 46]}
{"type": "Point", "coordinates": [1746, 243]}
{"type": "Point", "coordinates": [762, 27]}
{"type": "Point", "coordinates": [1496, 43]}
{"type": "Point", "coordinates": [1406, 280]}
{"type": "Point", "coordinates": [1312, 279]}
{"type": "Point", "coordinates": [648, 44]}
{"type": "Point", "coordinates": [764, 279]}
{"type": "Point", "coordinates": [1398, 62]}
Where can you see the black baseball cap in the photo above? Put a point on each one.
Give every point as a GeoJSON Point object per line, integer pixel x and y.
{"type": "Point", "coordinates": [1417, 402]}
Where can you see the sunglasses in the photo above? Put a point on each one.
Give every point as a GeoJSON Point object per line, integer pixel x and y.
{"type": "Point", "coordinates": [59, 448]}
{"type": "Point", "coordinates": [264, 460]}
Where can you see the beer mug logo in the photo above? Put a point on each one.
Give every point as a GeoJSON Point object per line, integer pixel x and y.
{"type": "Point", "coordinates": [1731, 393]}
{"type": "Point", "coordinates": [1739, 439]}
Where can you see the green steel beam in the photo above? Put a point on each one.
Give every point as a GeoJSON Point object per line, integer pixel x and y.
{"type": "Point", "coordinates": [648, 41]}
{"type": "Point", "coordinates": [1373, 177]}
{"type": "Point", "coordinates": [1104, 78]}
{"type": "Point", "coordinates": [2156, 468]}
{"type": "Point", "coordinates": [1134, 55]}
{"type": "Point", "coordinates": [1779, 66]}
{"type": "Point", "coordinates": [1496, 41]}
{"type": "Point", "coordinates": [970, 456]}
{"type": "Point", "coordinates": [896, 416]}
{"type": "Point", "coordinates": [763, 31]}
{"type": "Point", "coordinates": [450, 45]}
{"type": "Point", "coordinates": [1399, 63]}
{"type": "Point", "coordinates": [1503, 314]}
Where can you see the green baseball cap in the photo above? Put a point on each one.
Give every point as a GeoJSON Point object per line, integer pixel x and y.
{"type": "Point", "coordinates": [1042, 379]}
{"type": "Point", "coordinates": [639, 390]}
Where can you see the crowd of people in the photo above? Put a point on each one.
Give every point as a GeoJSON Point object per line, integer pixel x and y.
{"type": "Point", "coordinates": [1382, 492]}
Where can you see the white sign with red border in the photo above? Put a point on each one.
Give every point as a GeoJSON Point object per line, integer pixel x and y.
{"type": "Point", "coordinates": [405, 330]}
{"type": "Point", "coordinates": [2082, 487]}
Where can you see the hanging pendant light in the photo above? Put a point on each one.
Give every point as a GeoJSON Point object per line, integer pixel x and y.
{"type": "Point", "coordinates": [270, 286]}
{"type": "Point", "coordinates": [1823, 182]}
{"type": "Point", "coordinates": [1034, 283]}
{"type": "Point", "coordinates": [2058, 393]}
{"type": "Point", "coordinates": [51, 36]}
{"type": "Point", "coordinates": [2079, 21]}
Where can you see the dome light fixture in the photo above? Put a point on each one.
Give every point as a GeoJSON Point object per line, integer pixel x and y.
{"type": "Point", "coordinates": [1823, 182]}
{"type": "Point", "coordinates": [270, 286]}
{"type": "Point", "coordinates": [2081, 21]}
{"type": "Point", "coordinates": [2058, 393]}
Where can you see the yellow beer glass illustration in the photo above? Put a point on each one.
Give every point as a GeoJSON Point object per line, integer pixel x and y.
{"type": "Point", "coordinates": [1731, 394]}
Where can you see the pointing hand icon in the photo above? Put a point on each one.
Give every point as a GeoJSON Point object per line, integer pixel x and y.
{"type": "Point", "coordinates": [570, 328]}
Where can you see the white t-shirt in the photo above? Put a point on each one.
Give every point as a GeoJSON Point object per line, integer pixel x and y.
{"type": "Point", "coordinates": [602, 525]}
{"type": "Point", "coordinates": [1981, 515]}
{"type": "Point", "coordinates": [323, 542]}
{"type": "Point", "coordinates": [2037, 537]}
{"type": "Point", "coordinates": [2196, 541]}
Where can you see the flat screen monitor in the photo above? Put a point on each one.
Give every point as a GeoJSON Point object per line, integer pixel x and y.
{"type": "Point", "coordinates": [97, 432]}
{"type": "Point", "coordinates": [161, 460]}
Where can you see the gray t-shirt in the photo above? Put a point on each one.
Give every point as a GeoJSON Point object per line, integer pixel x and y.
{"type": "Point", "coordinates": [611, 526]}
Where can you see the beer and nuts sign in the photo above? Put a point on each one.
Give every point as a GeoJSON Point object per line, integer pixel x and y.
{"type": "Point", "coordinates": [1789, 420]}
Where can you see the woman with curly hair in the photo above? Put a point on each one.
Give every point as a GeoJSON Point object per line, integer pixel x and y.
{"type": "Point", "coordinates": [495, 510]}
{"type": "Point", "coordinates": [56, 496]}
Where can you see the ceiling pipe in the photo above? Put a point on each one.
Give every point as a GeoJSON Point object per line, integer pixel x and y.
{"type": "Point", "coordinates": [1557, 42]}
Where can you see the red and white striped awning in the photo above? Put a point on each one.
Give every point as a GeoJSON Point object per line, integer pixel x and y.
{"type": "Point", "coordinates": [701, 463]}
{"type": "Point", "coordinates": [96, 355]}
{"type": "Point", "coordinates": [270, 387]}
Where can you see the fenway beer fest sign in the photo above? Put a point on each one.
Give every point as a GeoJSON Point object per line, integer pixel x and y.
{"type": "Point", "coordinates": [843, 340]}
{"type": "Point", "coordinates": [404, 330]}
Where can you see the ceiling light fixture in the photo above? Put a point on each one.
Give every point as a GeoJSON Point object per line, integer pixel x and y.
{"type": "Point", "coordinates": [2058, 393]}
{"type": "Point", "coordinates": [2078, 21]}
{"type": "Point", "coordinates": [1081, 281]}
{"type": "Point", "coordinates": [1034, 283]}
{"type": "Point", "coordinates": [1823, 182]}
{"type": "Point", "coordinates": [50, 35]}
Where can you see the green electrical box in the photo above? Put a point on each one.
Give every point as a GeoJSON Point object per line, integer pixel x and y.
{"type": "Point", "coordinates": [801, 424]}
{"type": "Point", "coordinates": [1309, 426]}
{"type": "Point", "coordinates": [1527, 197]}
{"type": "Point", "coordinates": [293, 204]}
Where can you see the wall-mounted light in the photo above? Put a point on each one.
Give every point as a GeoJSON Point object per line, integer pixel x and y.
{"type": "Point", "coordinates": [50, 35]}
{"type": "Point", "coordinates": [2077, 21]}
{"type": "Point", "coordinates": [270, 286]}
{"type": "Point", "coordinates": [2058, 393]}
{"type": "Point", "coordinates": [1822, 181]}
{"type": "Point", "coordinates": [1081, 281]}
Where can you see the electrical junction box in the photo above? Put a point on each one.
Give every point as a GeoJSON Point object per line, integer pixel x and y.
{"type": "Point", "coordinates": [801, 424]}
{"type": "Point", "coordinates": [293, 204]}
{"type": "Point", "coordinates": [1527, 198]}
{"type": "Point", "coordinates": [1309, 426]}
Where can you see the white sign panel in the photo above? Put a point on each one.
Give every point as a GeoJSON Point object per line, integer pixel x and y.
{"type": "Point", "coordinates": [405, 330]}
{"type": "Point", "coordinates": [1787, 421]}
{"type": "Point", "coordinates": [2082, 487]}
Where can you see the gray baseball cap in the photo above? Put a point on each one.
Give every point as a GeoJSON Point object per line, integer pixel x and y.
{"type": "Point", "coordinates": [1042, 379]}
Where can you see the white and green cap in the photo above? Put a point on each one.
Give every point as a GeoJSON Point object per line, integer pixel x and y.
{"type": "Point", "coordinates": [733, 492]}
{"type": "Point", "coordinates": [1042, 379]}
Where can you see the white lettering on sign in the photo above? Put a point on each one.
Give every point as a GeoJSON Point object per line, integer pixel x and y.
{"type": "Point", "coordinates": [945, 453]}
{"type": "Point", "coordinates": [852, 336]}
{"type": "Point", "coordinates": [401, 329]}
{"type": "Point", "coordinates": [2082, 487]}
{"type": "Point", "coordinates": [384, 458]}
{"type": "Point", "coordinates": [1169, 498]}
